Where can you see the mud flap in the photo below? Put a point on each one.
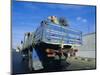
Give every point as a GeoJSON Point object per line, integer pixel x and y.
{"type": "Point", "coordinates": [36, 63]}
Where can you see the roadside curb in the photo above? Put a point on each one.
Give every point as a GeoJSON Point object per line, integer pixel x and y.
{"type": "Point", "coordinates": [82, 58]}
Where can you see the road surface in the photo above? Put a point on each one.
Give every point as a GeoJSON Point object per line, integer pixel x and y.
{"type": "Point", "coordinates": [20, 67]}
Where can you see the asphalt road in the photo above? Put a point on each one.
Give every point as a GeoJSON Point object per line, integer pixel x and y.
{"type": "Point", "coordinates": [20, 67]}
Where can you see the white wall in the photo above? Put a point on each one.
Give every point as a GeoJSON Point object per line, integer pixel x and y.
{"type": "Point", "coordinates": [88, 47]}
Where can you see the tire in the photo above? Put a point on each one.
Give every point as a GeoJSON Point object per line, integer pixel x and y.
{"type": "Point", "coordinates": [23, 59]}
{"type": "Point", "coordinates": [30, 60]}
{"type": "Point", "coordinates": [66, 55]}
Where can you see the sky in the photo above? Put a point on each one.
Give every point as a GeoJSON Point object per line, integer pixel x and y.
{"type": "Point", "coordinates": [26, 17]}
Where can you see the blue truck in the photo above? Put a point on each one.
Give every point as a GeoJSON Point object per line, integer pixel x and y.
{"type": "Point", "coordinates": [50, 44]}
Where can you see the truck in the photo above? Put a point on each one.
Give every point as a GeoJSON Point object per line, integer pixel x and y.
{"type": "Point", "coordinates": [50, 44]}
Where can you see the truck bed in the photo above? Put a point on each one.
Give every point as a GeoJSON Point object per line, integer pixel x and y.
{"type": "Point", "coordinates": [56, 34]}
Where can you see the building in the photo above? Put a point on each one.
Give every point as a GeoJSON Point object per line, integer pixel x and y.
{"type": "Point", "coordinates": [88, 48]}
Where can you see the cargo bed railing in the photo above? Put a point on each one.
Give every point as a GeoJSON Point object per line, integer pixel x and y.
{"type": "Point", "coordinates": [55, 34]}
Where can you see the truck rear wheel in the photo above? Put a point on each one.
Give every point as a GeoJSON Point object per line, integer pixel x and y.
{"type": "Point", "coordinates": [30, 60]}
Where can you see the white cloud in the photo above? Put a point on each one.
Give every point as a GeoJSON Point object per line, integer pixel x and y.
{"type": "Point", "coordinates": [84, 20]}
{"type": "Point", "coordinates": [78, 18]}
{"type": "Point", "coordinates": [81, 19]}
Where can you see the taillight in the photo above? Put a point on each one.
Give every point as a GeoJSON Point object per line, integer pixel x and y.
{"type": "Point", "coordinates": [51, 55]}
{"type": "Point", "coordinates": [49, 51]}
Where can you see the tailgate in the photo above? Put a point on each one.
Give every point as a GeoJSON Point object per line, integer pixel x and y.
{"type": "Point", "coordinates": [55, 34]}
